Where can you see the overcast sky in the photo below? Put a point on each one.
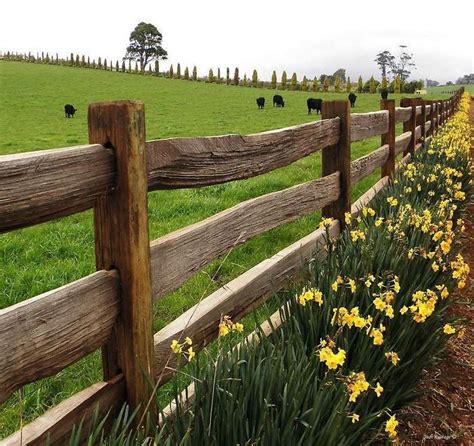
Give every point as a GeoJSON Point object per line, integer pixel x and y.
{"type": "Point", "coordinates": [306, 37]}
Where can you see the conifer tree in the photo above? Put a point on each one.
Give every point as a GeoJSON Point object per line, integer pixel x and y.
{"type": "Point", "coordinates": [195, 75]}
{"type": "Point", "coordinates": [274, 80]}
{"type": "Point", "coordinates": [254, 79]}
{"type": "Point", "coordinates": [88, 62]}
{"type": "Point", "coordinates": [210, 76]}
{"type": "Point", "coordinates": [93, 63]}
{"type": "Point", "coordinates": [398, 85]}
{"type": "Point", "coordinates": [219, 76]}
{"type": "Point", "coordinates": [83, 61]}
{"type": "Point", "coordinates": [117, 69]}
{"type": "Point", "coordinates": [315, 85]}
{"type": "Point", "coordinates": [227, 76]}
{"type": "Point", "coordinates": [360, 85]}
{"type": "Point", "coordinates": [294, 82]}
{"type": "Point", "coordinates": [171, 72]}
{"type": "Point", "coordinates": [236, 76]}
{"type": "Point", "coordinates": [99, 63]}
{"type": "Point", "coordinates": [178, 71]}
{"type": "Point", "coordinates": [372, 87]}
{"type": "Point", "coordinates": [284, 80]}
{"type": "Point", "coordinates": [123, 66]}
{"type": "Point", "coordinates": [245, 83]}
{"type": "Point", "coordinates": [326, 84]}
{"type": "Point", "coordinates": [129, 65]}
{"type": "Point", "coordinates": [304, 84]}
{"type": "Point", "coordinates": [157, 68]}
{"type": "Point", "coordinates": [105, 64]}
{"type": "Point", "coordinates": [348, 85]}
{"type": "Point", "coordinates": [186, 74]}
{"type": "Point", "coordinates": [71, 61]}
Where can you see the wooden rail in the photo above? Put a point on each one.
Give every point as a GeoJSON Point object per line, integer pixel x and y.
{"type": "Point", "coordinates": [112, 308]}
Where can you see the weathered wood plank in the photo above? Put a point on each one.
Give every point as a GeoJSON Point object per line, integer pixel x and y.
{"type": "Point", "coordinates": [365, 165]}
{"type": "Point", "coordinates": [54, 427]}
{"type": "Point", "coordinates": [401, 142]}
{"type": "Point", "coordinates": [402, 114]}
{"type": "Point", "coordinates": [418, 131]}
{"type": "Point", "coordinates": [195, 162]}
{"type": "Point", "coordinates": [410, 125]}
{"type": "Point", "coordinates": [39, 186]}
{"type": "Point", "coordinates": [236, 299]}
{"type": "Point", "coordinates": [428, 108]}
{"type": "Point", "coordinates": [366, 125]}
{"type": "Point", "coordinates": [418, 108]}
{"type": "Point", "coordinates": [177, 256]}
{"type": "Point", "coordinates": [42, 335]}
{"type": "Point", "coordinates": [122, 242]}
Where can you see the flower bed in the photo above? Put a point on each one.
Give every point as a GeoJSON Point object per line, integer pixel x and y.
{"type": "Point", "coordinates": [354, 339]}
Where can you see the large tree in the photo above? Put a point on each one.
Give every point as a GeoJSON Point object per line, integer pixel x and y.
{"type": "Point", "coordinates": [145, 45]}
{"type": "Point", "coordinates": [384, 60]}
{"type": "Point", "coordinates": [403, 65]}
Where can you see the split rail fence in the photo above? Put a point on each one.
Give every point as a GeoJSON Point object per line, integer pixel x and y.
{"type": "Point", "coordinates": [112, 308]}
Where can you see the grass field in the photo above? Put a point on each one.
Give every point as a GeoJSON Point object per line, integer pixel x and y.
{"type": "Point", "coordinates": [38, 259]}
{"type": "Point", "coordinates": [446, 88]}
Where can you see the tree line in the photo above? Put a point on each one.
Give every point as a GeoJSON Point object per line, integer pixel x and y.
{"type": "Point", "coordinates": [324, 83]}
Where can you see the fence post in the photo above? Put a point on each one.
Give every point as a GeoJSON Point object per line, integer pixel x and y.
{"type": "Point", "coordinates": [122, 243]}
{"type": "Point", "coordinates": [429, 133]}
{"type": "Point", "coordinates": [423, 121]}
{"type": "Point", "coordinates": [441, 113]}
{"type": "Point", "coordinates": [388, 168]}
{"type": "Point", "coordinates": [410, 125]}
{"type": "Point", "coordinates": [338, 158]}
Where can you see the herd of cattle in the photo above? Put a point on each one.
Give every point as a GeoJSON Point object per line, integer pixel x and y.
{"type": "Point", "coordinates": [312, 103]}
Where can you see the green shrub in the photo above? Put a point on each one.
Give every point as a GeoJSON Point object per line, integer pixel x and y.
{"type": "Point", "coordinates": [360, 85]}
{"type": "Point", "coordinates": [284, 80]}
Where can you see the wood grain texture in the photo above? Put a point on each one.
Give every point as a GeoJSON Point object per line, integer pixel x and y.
{"type": "Point", "coordinates": [122, 243]}
{"type": "Point", "coordinates": [236, 299]}
{"type": "Point", "coordinates": [195, 162]}
{"type": "Point", "coordinates": [365, 165]}
{"type": "Point", "coordinates": [418, 107]}
{"type": "Point", "coordinates": [402, 114]}
{"type": "Point", "coordinates": [177, 256]}
{"type": "Point", "coordinates": [418, 132]}
{"type": "Point", "coordinates": [54, 427]}
{"type": "Point", "coordinates": [428, 107]}
{"type": "Point", "coordinates": [338, 158]}
{"type": "Point", "coordinates": [42, 335]}
{"type": "Point", "coordinates": [401, 142]}
{"type": "Point", "coordinates": [39, 186]}
{"type": "Point", "coordinates": [366, 125]}
{"type": "Point", "coordinates": [388, 167]}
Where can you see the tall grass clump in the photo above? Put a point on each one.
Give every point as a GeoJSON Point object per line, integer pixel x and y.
{"type": "Point", "coordinates": [354, 338]}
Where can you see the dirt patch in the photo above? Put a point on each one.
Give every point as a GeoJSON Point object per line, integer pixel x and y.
{"type": "Point", "coordinates": [444, 415]}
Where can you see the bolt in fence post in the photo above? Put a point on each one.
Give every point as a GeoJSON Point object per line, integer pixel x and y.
{"type": "Point", "coordinates": [122, 243]}
{"type": "Point", "coordinates": [388, 168]}
{"type": "Point", "coordinates": [410, 125]}
{"type": "Point", "coordinates": [338, 158]}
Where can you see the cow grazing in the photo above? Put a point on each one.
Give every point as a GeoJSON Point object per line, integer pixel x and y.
{"type": "Point", "coordinates": [352, 99]}
{"type": "Point", "coordinates": [384, 94]}
{"type": "Point", "coordinates": [278, 101]}
{"type": "Point", "coordinates": [260, 103]}
{"type": "Point", "coordinates": [314, 104]}
{"type": "Point", "coordinates": [69, 111]}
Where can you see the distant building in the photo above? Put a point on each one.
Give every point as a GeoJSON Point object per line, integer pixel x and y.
{"type": "Point", "coordinates": [421, 92]}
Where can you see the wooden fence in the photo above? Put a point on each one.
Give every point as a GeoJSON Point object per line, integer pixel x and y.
{"type": "Point", "coordinates": [112, 308]}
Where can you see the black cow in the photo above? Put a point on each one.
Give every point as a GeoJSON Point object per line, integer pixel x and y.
{"type": "Point", "coordinates": [69, 111]}
{"type": "Point", "coordinates": [314, 104]}
{"type": "Point", "coordinates": [352, 99]}
{"type": "Point", "coordinates": [278, 101]}
{"type": "Point", "coordinates": [260, 103]}
{"type": "Point", "coordinates": [384, 94]}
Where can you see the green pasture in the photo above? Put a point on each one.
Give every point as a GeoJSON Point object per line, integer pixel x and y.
{"type": "Point", "coordinates": [38, 259]}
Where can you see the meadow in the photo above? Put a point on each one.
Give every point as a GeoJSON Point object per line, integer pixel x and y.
{"type": "Point", "coordinates": [41, 258]}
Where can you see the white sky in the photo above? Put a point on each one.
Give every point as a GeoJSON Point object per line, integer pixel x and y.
{"type": "Point", "coordinates": [306, 37]}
